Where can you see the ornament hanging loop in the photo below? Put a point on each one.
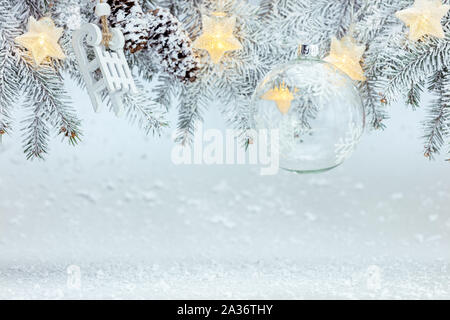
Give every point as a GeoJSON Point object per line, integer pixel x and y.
{"type": "Point", "coordinates": [103, 10]}
{"type": "Point", "coordinates": [308, 51]}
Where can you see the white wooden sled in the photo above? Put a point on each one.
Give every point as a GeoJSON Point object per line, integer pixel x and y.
{"type": "Point", "coordinates": [115, 72]}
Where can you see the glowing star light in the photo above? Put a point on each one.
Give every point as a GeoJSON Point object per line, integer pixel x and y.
{"type": "Point", "coordinates": [423, 18]}
{"type": "Point", "coordinates": [282, 97]}
{"type": "Point", "coordinates": [217, 37]}
{"type": "Point", "coordinates": [345, 55]}
{"type": "Point", "coordinates": [42, 40]}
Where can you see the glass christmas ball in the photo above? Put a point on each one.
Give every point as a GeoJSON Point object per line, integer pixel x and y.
{"type": "Point", "coordinates": [316, 110]}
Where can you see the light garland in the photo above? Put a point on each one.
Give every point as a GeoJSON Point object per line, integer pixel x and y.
{"type": "Point", "coordinates": [217, 37]}
{"type": "Point", "coordinates": [282, 96]}
{"type": "Point", "coordinates": [346, 55]}
{"type": "Point", "coordinates": [424, 18]}
{"type": "Point", "coordinates": [41, 40]}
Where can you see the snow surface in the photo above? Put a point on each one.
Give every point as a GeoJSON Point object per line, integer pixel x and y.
{"type": "Point", "coordinates": [136, 226]}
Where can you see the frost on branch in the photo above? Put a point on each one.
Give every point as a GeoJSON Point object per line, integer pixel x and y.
{"type": "Point", "coordinates": [397, 69]}
{"type": "Point", "coordinates": [437, 123]}
{"type": "Point", "coordinates": [48, 106]}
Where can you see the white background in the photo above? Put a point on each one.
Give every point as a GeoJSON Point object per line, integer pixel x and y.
{"type": "Point", "coordinates": [138, 226]}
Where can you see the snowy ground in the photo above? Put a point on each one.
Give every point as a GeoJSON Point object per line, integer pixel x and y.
{"type": "Point", "coordinates": [136, 226]}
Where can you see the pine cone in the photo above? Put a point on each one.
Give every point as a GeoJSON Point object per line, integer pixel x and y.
{"type": "Point", "coordinates": [127, 15]}
{"type": "Point", "coordinates": [172, 44]}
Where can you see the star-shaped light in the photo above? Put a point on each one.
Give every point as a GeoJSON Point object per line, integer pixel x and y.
{"type": "Point", "coordinates": [345, 55]}
{"type": "Point", "coordinates": [42, 40]}
{"type": "Point", "coordinates": [424, 18]}
{"type": "Point", "coordinates": [217, 37]}
{"type": "Point", "coordinates": [282, 97]}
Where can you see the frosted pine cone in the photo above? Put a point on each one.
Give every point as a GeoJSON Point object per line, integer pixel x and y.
{"type": "Point", "coordinates": [172, 44]}
{"type": "Point", "coordinates": [127, 15]}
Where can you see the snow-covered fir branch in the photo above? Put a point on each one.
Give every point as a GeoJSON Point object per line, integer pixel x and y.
{"type": "Point", "coordinates": [397, 69]}
{"type": "Point", "coordinates": [437, 123]}
{"type": "Point", "coordinates": [231, 82]}
{"type": "Point", "coordinates": [48, 106]}
{"type": "Point", "coordinates": [9, 86]}
{"type": "Point", "coordinates": [43, 88]}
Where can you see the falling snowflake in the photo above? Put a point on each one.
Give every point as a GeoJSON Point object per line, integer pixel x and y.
{"type": "Point", "coordinates": [345, 147]}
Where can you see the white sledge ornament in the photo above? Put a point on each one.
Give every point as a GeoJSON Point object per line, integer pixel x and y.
{"type": "Point", "coordinates": [115, 73]}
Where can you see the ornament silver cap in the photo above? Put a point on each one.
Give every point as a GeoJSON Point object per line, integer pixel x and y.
{"type": "Point", "coordinates": [308, 51]}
